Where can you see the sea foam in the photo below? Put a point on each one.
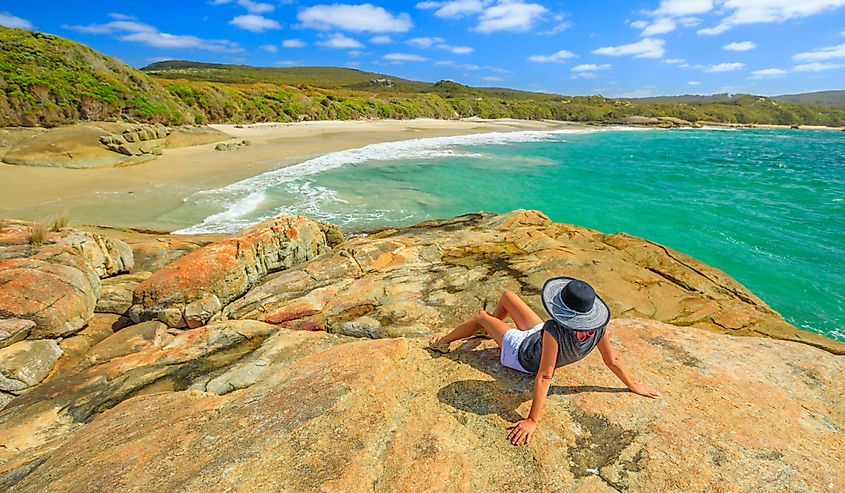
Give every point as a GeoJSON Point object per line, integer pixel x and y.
{"type": "Point", "coordinates": [243, 198]}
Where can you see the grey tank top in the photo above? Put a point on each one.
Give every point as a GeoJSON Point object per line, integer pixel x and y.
{"type": "Point", "coordinates": [570, 349]}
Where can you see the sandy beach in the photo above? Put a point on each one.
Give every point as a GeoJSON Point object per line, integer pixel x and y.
{"type": "Point", "coordinates": [146, 195]}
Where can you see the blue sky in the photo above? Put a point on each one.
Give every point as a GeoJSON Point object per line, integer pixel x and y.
{"type": "Point", "coordinates": [609, 47]}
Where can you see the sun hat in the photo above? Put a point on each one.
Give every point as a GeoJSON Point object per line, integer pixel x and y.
{"type": "Point", "coordinates": [574, 304]}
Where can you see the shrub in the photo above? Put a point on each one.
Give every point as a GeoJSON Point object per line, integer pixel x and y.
{"type": "Point", "coordinates": [59, 222]}
{"type": "Point", "coordinates": [38, 234]}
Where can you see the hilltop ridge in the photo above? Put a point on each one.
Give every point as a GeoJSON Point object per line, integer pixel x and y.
{"type": "Point", "coordinates": [47, 80]}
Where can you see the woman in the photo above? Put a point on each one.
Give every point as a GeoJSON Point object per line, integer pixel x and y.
{"type": "Point", "coordinates": [577, 325]}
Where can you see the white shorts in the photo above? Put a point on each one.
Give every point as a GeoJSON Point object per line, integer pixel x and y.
{"type": "Point", "coordinates": [510, 346]}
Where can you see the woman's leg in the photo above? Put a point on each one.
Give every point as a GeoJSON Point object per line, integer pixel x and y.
{"type": "Point", "coordinates": [491, 325]}
{"type": "Point", "coordinates": [510, 304]}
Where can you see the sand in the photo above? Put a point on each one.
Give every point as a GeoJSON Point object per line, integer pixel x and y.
{"type": "Point", "coordinates": [149, 195]}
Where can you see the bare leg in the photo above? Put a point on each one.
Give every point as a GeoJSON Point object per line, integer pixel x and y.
{"type": "Point", "coordinates": [510, 304]}
{"type": "Point", "coordinates": [491, 325]}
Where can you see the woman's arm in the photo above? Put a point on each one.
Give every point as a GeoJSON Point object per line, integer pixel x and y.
{"type": "Point", "coordinates": [612, 361]}
{"type": "Point", "coordinates": [522, 430]}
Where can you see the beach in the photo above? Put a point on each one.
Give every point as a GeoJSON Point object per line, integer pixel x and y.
{"type": "Point", "coordinates": [138, 196]}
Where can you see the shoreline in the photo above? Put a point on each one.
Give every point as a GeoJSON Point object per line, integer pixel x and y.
{"type": "Point", "coordinates": [147, 196]}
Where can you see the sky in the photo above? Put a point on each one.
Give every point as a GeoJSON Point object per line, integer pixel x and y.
{"type": "Point", "coordinates": [618, 48]}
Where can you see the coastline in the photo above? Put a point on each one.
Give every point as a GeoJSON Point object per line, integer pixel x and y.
{"type": "Point", "coordinates": [142, 195]}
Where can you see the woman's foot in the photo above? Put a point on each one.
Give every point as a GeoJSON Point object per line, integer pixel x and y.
{"type": "Point", "coordinates": [435, 345]}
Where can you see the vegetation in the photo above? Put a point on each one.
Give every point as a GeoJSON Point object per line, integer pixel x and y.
{"type": "Point", "coordinates": [821, 98]}
{"type": "Point", "coordinates": [38, 234]}
{"type": "Point", "coordinates": [60, 222]}
{"type": "Point", "coordinates": [46, 80]}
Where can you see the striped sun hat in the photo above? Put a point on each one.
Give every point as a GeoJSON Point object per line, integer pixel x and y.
{"type": "Point", "coordinates": [574, 304]}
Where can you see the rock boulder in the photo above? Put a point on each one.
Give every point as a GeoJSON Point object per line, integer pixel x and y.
{"type": "Point", "coordinates": [228, 269]}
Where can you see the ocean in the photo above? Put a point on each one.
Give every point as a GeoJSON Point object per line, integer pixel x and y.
{"type": "Point", "coordinates": [765, 206]}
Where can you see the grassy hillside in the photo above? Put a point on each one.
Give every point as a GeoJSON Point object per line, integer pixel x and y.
{"type": "Point", "coordinates": [47, 80]}
{"type": "Point", "coordinates": [821, 98]}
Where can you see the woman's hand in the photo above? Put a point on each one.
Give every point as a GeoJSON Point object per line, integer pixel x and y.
{"type": "Point", "coordinates": [521, 431]}
{"type": "Point", "coordinates": [645, 391]}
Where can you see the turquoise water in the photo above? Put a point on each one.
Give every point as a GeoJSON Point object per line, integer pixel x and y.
{"type": "Point", "coordinates": [766, 206]}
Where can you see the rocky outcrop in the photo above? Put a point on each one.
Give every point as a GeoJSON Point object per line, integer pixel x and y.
{"type": "Point", "coordinates": [260, 406]}
{"type": "Point", "coordinates": [736, 414]}
{"type": "Point", "coordinates": [189, 136]}
{"type": "Point", "coordinates": [24, 364]}
{"type": "Point", "coordinates": [137, 140]}
{"type": "Point", "coordinates": [116, 292]}
{"type": "Point", "coordinates": [98, 144]}
{"type": "Point", "coordinates": [231, 146]}
{"type": "Point", "coordinates": [192, 289]}
{"type": "Point", "coordinates": [14, 330]}
{"type": "Point", "coordinates": [55, 283]}
{"type": "Point", "coordinates": [417, 280]}
{"type": "Point", "coordinates": [659, 122]}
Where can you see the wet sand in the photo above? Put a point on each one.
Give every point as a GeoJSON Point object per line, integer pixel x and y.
{"type": "Point", "coordinates": [149, 195]}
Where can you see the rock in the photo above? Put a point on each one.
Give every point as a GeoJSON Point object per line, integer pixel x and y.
{"type": "Point", "coordinates": [24, 364]}
{"type": "Point", "coordinates": [75, 348]}
{"type": "Point", "coordinates": [14, 330]}
{"type": "Point", "coordinates": [42, 417]}
{"type": "Point", "coordinates": [229, 268]}
{"type": "Point", "coordinates": [660, 121]}
{"type": "Point", "coordinates": [736, 414]}
{"type": "Point", "coordinates": [130, 340]}
{"type": "Point", "coordinates": [199, 312]}
{"type": "Point", "coordinates": [73, 146]}
{"type": "Point", "coordinates": [193, 136]}
{"type": "Point", "coordinates": [422, 279]}
{"type": "Point", "coordinates": [232, 145]}
{"type": "Point", "coordinates": [60, 299]}
{"type": "Point", "coordinates": [56, 284]}
{"type": "Point", "coordinates": [152, 255]}
{"type": "Point", "coordinates": [116, 292]}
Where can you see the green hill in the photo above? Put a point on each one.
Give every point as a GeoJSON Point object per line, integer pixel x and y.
{"type": "Point", "coordinates": [821, 98]}
{"type": "Point", "coordinates": [46, 80]}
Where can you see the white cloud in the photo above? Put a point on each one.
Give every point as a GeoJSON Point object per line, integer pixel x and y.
{"type": "Point", "coordinates": [355, 18]}
{"type": "Point", "coordinates": [492, 78]}
{"type": "Point", "coordinates": [590, 67]}
{"type": "Point", "coordinates": [674, 61]}
{"type": "Point", "coordinates": [740, 46]}
{"type": "Point", "coordinates": [817, 67]}
{"type": "Point", "coordinates": [455, 8]}
{"type": "Point", "coordinates": [724, 67]}
{"type": "Point", "coordinates": [557, 57]}
{"type": "Point", "coordinates": [255, 23]}
{"type": "Point", "coordinates": [269, 48]}
{"type": "Point", "coordinates": [659, 26]}
{"type": "Point", "coordinates": [644, 48]}
{"type": "Point", "coordinates": [287, 63]}
{"type": "Point", "coordinates": [404, 57]}
{"type": "Point", "coordinates": [424, 42]}
{"type": "Point", "coordinates": [561, 24]}
{"type": "Point", "coordinates": [339, 41]}
{"type": "Point", "coordinates": [294, 43]}
{"type": "Point", "coordinates": [765, 11]}
{"type": "Point", "coordinates": [9, 20]}
{"type": "Point", "coordinates": [769, 72]}
{"type": "Point", "coordinates": [639, 24]}
{"type": "Point", "coordinates": [458, 50]}
{"type": "Point", "coordinates": [138, 32]}
{"type": "Point", "coordinates": [681, 8]}
{"type": "Point", "coordinates": [381, 40]}
{"type": "Point", "coordinates": [257, 7]}
{"type": "Point", "coordinates": [826, 53]}
{"type": "Point", "coordinates": [694, 83]}
{"type": "Point", "coordinates": [510, 15]}
{"type": "Point", "coordinates": [249, 5]}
